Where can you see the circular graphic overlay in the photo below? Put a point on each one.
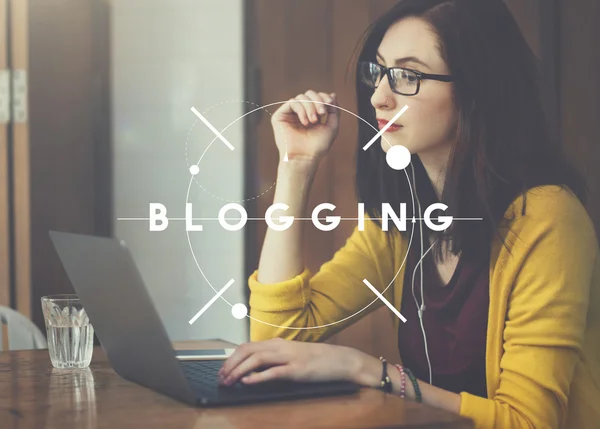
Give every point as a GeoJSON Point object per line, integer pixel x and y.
{"type": "Point", "coordinates": [398, 158]}
{"type": "Point", "coordinates": [219, 135]}
{"type": "Point", "coordinates": [239, 311]}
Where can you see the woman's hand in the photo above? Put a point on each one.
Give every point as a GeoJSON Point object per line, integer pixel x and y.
{"type": "Point", "coordinates": [306, 130]}
{"type": "Point", "coordinates": [291, 360]}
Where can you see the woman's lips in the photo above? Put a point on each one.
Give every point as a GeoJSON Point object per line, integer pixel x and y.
{"type": "Point", "coordinates": [391, 129]}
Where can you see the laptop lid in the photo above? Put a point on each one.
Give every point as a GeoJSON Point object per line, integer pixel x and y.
{"type": "Point", "coordinates": [111, 289]}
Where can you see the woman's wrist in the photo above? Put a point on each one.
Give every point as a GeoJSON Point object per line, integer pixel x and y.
{"type": "Point", "coordinates": [366, 372]}
{"type": "Point", "coordinates": [299, 165]}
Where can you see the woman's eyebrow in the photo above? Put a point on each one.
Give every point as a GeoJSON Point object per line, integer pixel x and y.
{"type": "Point", "coordinates": [403, 60]}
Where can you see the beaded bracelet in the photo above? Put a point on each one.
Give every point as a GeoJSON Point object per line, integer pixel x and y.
{"type": "Point", "coordinates": [402, 380]}
{"type": "Point", "coordinates": [386, 383]}
{"type": "Point", "coordinates": [415, 384]}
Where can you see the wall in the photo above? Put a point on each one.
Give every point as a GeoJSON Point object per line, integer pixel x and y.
{"type": "Point", "coordinates": [580, 92]}
{"type": "Point", "coordinates": [168, 56]}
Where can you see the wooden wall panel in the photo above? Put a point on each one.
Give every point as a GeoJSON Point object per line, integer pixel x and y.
{"type": "Point", "coordinates": [308, 66]}
{"type": "Point", "coordinates": [21, 166]}
{"type": "Point", "coordinates": [5, 267]}
{"type": "Point", "coordinates": [293, 60]}
{"type": "Point", "coordinates": [374, 333]}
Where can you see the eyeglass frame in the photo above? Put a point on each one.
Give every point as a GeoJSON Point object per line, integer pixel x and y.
{"type": "Point", "coordinates": [420, 77]}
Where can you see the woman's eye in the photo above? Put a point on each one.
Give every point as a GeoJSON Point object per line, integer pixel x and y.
{"type": "Point", "coordinates": [409, 77]}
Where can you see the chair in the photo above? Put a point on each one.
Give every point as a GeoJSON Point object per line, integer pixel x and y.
{"type": "Point", "coordinates": [23, 334]}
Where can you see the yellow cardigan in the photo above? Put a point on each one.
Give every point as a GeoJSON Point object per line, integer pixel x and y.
{"type": "Point", "coordinates": [542, 349]}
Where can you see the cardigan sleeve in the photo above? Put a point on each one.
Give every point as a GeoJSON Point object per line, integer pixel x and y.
{"type": "Point", "coordinates": [333, 298]}
{"type": "Point", "coordinates": [554, 250]}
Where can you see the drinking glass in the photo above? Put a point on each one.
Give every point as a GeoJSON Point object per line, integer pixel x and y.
{"type": "Point", "coordinates": [70, 334]}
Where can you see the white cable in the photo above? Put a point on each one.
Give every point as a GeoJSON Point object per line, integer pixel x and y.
{"type": "Point", "coordinates": [421, 308]}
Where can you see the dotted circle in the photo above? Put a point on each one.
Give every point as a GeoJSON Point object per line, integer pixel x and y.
{"type": "Point", "coordinates": [206, 150]}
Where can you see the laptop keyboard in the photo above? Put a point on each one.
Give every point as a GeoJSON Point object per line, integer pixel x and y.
{"type": "Point", "coordinates": [202, 372]}
{"type": "Point", "coordinates": [205, 375]}
{"type": "Point", "coordinates": [204, 380]}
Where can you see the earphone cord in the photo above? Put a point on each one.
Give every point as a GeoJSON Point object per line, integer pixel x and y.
{"type": "Point", "coordinates": [421, 308]}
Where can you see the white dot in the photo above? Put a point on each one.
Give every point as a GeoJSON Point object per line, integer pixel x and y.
{"type": "Point", "coordinates": [194, 169]}
{"type": "Point", "coordinates": [398, 157]}
{"type": "Point", "coordinates": [239, 311]}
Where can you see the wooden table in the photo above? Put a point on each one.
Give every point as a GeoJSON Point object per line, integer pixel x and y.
{"type": "Point", "coordinates": [33, 394]}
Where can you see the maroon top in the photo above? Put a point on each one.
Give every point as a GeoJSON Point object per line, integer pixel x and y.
{"type": "Point", "coordinates": [455, 321]}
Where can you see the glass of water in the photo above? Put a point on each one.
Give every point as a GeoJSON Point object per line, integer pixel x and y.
{"type": "Point", "coordinates": [70, 335]}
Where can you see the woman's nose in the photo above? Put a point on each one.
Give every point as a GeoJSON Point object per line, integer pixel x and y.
{"type": "Point", "coordinates": [383, 97]}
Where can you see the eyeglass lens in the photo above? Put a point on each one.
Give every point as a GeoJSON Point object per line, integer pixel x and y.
{"type": "Point", "coordinates": [403, 81]}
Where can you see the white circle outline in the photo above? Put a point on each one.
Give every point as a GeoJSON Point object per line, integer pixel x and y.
{"type": "Point", "coordinates": [347, 317]}
{"type": "Point", "coordinates": [187, 138]}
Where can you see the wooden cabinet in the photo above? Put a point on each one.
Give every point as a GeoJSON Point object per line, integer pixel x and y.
{"type": "Point", "coordinates": [54, 150]}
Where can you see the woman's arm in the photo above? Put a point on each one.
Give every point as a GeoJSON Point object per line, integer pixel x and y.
{"type": "Point", "coordinates": [282, 254]}
{"type": "Point", "coordinates": [311, 307]}
{"type": "Point", "coordinates": [547, 278]}
{"type": "Point", "coordinates": [304, 129]}
{"type": "Point", "coordinates": [286, 300]}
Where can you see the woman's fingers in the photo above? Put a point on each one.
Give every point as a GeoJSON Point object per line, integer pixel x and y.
{"type": "Point", "coordinates": [310, 108]}
{"type": "Point", "coordinates": [246, 350]}
{"type": "Point", "coordinates": [298, 108]}
{"type": "Point", "coordinates": [254, 362]}
{"type": "Point", "coordinates": [273, 373]}
{"type": "Point", "coordinates": [333, 104]}
{"type": "Point", "coordinates": [318, 99]}
{"type": "Point", "coordinates": [327, 98]}
{"type": "Point", "coordinates": [324, 109]}
{"type": "Point", "coordinates": [240, 354]}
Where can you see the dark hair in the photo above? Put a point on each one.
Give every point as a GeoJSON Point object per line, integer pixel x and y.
{"type": "Point", "coordinates": [504, 143]}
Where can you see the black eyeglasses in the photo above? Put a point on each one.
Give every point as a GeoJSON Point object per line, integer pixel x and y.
{"type": "Point", "coordinates": [402, 81]}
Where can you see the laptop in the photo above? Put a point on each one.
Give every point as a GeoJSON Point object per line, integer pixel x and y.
{"type": "Point", "coordinates": [126, 322]}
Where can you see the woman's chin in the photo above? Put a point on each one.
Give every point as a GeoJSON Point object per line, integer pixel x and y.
{"type": "Point", "coordinates": [387, 145]}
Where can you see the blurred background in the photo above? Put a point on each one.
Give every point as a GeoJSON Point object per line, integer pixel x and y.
{"type": "Point", "coordinates": [95, 124]}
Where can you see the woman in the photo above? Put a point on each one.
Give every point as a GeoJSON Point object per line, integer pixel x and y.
{"type": "Point", "coordinates": [502, 322]}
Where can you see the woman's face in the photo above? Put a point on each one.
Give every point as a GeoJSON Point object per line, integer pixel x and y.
{"type": "Point", "coordinates": [427, 127]}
